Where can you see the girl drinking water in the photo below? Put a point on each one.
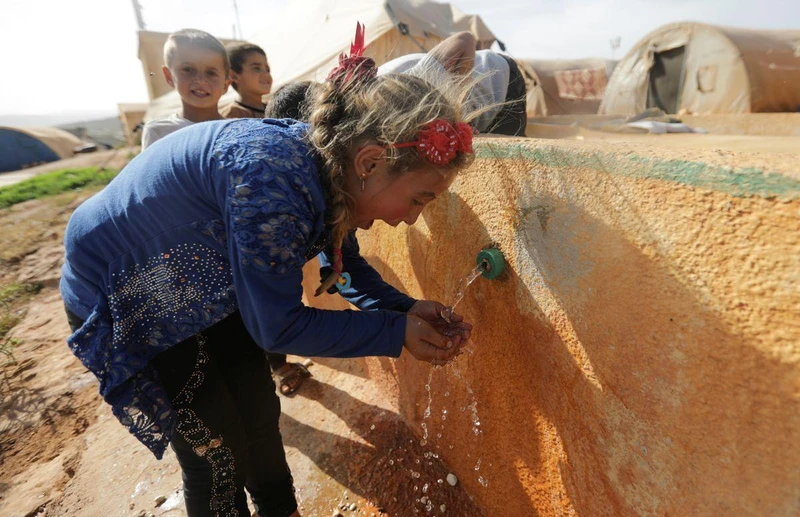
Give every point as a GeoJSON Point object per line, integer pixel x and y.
{"type": "Point", "coordinates": [188, 265]}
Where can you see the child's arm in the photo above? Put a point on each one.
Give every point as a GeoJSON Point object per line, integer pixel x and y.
{"type": "Point", "coordinates": [273, 311]}
{"type": "Point", "coordinates": [368, 291]}
{"type": "Point", "coordinates": [269, 225]}
{"type": "Point", "coordinates": [456, 53]}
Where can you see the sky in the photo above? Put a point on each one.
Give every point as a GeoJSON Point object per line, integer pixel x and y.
{"type": "Point", "coordinates": [80, 56]}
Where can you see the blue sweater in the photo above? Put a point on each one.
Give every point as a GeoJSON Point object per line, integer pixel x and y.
{"type": "Point", "coordinates": [217, 217]}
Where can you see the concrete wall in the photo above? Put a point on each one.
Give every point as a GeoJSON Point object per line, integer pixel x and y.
{"type": "Point", "coordinates": [641, 356]}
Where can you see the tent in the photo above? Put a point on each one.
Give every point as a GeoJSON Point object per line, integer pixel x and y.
{"type": "Point", "coordinates": [700, 69]}
{"type": "Point", "coordinates": [130, 116]}
{"type": "Point", "coordinates": [565, 86]}
{"type": "Point", "coordinates": [25, 147]}
{"type": "Point", "coordinates": [303, 43]}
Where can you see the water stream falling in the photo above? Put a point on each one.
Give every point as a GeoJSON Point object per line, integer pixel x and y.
{"type": "Point", "coordinates": [427, 413]}
{"type": "Point", "coordinates": [447, 312]}
{"type": "Point", "coordinates": [472, 405]}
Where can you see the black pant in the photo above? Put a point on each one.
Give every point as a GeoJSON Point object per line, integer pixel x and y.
{"type": "Point", "coordinates": [276, 361]}
{"type": "Point", "coordinates": [227, 437]}
{"type": "Point", "coordinates": [513, 117]}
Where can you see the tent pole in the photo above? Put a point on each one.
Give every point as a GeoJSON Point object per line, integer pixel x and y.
{"type": "Point", "coordinates": [137, 9]}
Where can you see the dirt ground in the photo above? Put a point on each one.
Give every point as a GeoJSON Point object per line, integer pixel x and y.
{"type": "Point", "coordinates": [748, 143]}
{"type": "Point", "coordinates": [64, 454]}
{"type": "Point", "coordinates": [770, 133]}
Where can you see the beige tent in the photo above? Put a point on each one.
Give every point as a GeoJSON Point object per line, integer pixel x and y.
{"type": "Point", "coordinates": [303, 42]}
{"type": "Point", "coordinates": [63, 143]}
{"type": "Point", "coordinates": [698, 68]}
{"type": "Point", "coordinates": [565, 86]}
{"type": "Point", "coordinates": [130, 116]}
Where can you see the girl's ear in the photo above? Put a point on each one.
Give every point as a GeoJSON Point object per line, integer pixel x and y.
{"type": "Point", "coordinates": [370, 159]}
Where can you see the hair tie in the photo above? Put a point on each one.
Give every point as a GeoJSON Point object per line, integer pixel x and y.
{"type": "Point", "coordinates": [439, 142]}
{"type": "Point", "coordinates": [337, 279]}
{"type": "Point", "coordinates": [338, 260]}
{"type": "Point", "coordinates": [355, 67]}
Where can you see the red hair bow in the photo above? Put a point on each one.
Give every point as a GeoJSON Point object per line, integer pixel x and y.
{"type": "Point", "coordinates": [355, 66]}
{"type": "Point", "coordinates": [439, 142]}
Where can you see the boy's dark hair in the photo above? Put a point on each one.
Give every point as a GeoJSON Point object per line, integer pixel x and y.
{"type": "Point", "coordinates": [238, 52]}
{"type": "Point", "coordinates": [195, 38]}
{"type": "Point", "coordinates": [290, 101]}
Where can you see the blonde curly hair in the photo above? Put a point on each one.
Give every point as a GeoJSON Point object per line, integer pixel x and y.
{"type": "Point", "coordinates": [390, 109]}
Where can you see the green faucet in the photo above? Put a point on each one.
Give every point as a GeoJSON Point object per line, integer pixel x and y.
{"type": "Point", "coordinates": [492, 261]}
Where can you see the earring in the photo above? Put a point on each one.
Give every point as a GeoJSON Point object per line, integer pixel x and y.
{"type": "Point", "coordinates": [363, 182]}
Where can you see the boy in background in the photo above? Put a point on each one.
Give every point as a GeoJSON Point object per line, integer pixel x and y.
{"type": "Point", "coordinates": [251, 78]}
{"type": "Point", "coordinates": [196, 65]}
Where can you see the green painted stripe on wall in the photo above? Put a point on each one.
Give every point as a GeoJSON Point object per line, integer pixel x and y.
{"type": "Point", "coordinates": [743, 181]}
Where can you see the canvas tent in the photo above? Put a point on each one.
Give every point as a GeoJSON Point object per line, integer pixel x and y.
{"type": "Point", "coordinates": [25, 147]}
{"type": "Point", "coordinates": [565, 86]}
{"type": "Point", "coordinates": [304, 41]}
{"type": "Point", "coordinates": [698, 68]}
{"type": "Point", "coordinates": [130, 116]}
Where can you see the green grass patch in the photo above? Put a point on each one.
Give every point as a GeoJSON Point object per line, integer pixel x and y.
{"type": "Point", "coordinates": [52, 183]}
{"type": "Point", "coordinates": [14, 292]}
{"type": "Point", "coordinates": [11, 297]}
{"type": "Point", "coordinates": [7, 322]}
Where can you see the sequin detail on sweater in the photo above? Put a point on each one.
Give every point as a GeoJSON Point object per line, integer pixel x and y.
{"type": "Point", "coordinates": [175, 285]}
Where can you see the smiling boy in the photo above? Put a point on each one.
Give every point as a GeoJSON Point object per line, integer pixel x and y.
{"type": "Point", "coordinates": [251, 78]}
{"type": "Point", "coordinates": [197, 66]}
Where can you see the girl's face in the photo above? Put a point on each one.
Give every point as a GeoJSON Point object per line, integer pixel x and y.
{"type": "Point", "coordinates": [255, 77]}
{"type": "Point", "coordinates": [392, 198]}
